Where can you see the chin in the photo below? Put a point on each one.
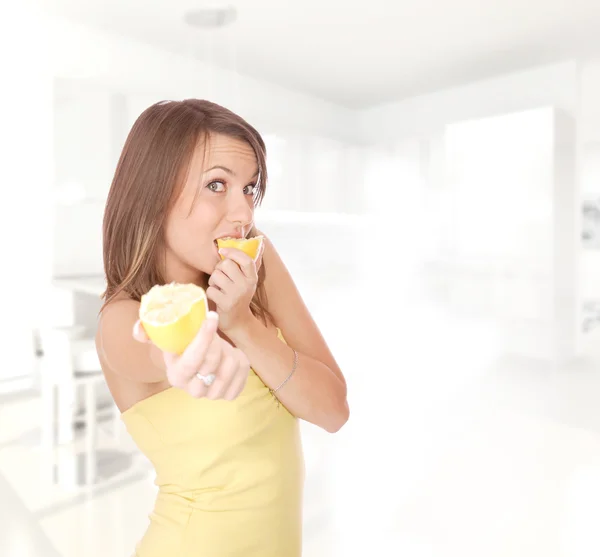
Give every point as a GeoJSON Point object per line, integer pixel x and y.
{"type": "Point", "coordinates": [208, 260]}
{"type": "Point", "coordinates": [208, 267]}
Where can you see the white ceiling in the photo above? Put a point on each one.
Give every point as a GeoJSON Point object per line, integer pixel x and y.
{"type": "Point", "coordinates": [358, 54]}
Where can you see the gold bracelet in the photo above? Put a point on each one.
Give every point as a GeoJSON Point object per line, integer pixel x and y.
{"type": "Point", "coordinates": [294, 366]}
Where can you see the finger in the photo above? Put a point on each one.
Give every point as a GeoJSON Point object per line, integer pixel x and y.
{"type": "Point", "coordinates": [220, 280]}
{"type": "Point", "coordinates": [236, 387]}
{"type": "Point", "coordinates": [216, 390]}
{"type": "Point", "coordinates": [212, 360]}
{"type": "Point", "coordinates": [243, 260]}
{"type": "Point", "coordinates": [239, 381]}
{"type": "Point", "coordinates": [182, 373]}
{"type": "Point", "coordinates": [197, 388]}
{"type": "Point", "coordinates": [194, 354]}
{"type": "Point", "coordinates": [231, 269]}
{"type": "Point", "coordinates": [217, 296]}
{"type": "Point", "coordinates": [259, 257]}
{"type": "Point", "coordinates": [139, 333]}
{"type": "Point", "coordinates": [170, 359]}
{"type": "Point", "coordinates": [224, 375]}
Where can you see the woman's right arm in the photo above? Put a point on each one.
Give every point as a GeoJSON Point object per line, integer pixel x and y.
{"type": "Point", "coordinates": [120, 352]}
{"type": "Point", "coordinates": [127, 352]}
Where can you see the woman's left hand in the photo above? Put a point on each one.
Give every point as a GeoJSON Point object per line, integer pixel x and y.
{"type": "Point", "coordinates": [232, 286]}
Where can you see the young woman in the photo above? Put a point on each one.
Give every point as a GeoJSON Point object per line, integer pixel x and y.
{"type": "Point", "coordinates": [227, 454]}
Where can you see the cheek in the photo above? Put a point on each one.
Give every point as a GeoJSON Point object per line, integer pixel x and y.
{"type": "Point", "coordinates": [190, 235]}
{"type": "Point", "coordinates": [203, 222]}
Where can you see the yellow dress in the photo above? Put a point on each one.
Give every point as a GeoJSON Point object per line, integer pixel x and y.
{"type": "Point", "coordinates": [230, 474]}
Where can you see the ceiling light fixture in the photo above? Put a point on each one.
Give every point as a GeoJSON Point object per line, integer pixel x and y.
{"type": "Point", "coordinates": [211, 17]}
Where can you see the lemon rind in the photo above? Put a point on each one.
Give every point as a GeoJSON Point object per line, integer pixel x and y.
{"type": "Point", "coordinates": [241, 239]}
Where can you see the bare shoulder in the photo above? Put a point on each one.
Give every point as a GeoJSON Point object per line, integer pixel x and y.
{"type": "Point", "coordinates": [115, 324]}
{"type": "Point", "coordinates": [120, 354]}
{"type": "Point", "coordinates": [117, 316]}
{"type": "Point", "coordinates": [291, 313]}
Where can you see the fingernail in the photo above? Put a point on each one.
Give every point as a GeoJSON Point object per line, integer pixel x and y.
{"type": "Point", "coordinates": [222, 251]}
{"type": "Point", "coordinates": [212, 315]}
{"type": "Point", "coordinates": [138, 332]}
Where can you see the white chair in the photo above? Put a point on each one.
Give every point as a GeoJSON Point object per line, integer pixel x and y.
{"type": "Point", "coordinates": [69, 361]}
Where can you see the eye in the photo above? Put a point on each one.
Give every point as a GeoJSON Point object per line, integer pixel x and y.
{"type": "Point", "coordinates": [216, 186]}
{"type": "Point", "coordinates": [250, 189]}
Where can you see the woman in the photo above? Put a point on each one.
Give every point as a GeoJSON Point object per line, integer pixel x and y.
{"type": "Point", "coordinates": [227, 455]}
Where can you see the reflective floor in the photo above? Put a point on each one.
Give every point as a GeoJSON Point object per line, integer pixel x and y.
{"type": "Point", "coordinates": [450, 451]}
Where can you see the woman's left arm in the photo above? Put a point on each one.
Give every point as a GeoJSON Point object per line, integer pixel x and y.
{"type": "Point", "coordinates": [316, 392]}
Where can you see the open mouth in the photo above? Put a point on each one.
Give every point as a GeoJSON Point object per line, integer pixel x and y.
{"type": "Point", "coordinates": [225, 238]}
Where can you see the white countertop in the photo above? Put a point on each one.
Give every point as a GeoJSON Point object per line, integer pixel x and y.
{"type": "Point", "coordinates": [87, 284]}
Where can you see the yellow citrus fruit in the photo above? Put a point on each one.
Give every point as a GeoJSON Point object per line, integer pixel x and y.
{"type": "Point", "coordinates": [250, 246]}
{"type": "Point", "coordinates": [172, 314]}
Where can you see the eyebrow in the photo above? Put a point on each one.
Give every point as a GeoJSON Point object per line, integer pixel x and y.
{"type": "Point", "coordinates": [228, 170]}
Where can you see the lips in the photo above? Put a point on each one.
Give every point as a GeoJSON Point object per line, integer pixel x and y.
{"type": "Point", "coordinates": [236, 235]}
{"type": "Point", "coordinates": [250, 246]}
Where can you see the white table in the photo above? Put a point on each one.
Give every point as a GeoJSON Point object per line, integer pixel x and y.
{"type": "Point", "coordinates": [74, 298]}
{"type": "Point", "coordinates": [93, 285]}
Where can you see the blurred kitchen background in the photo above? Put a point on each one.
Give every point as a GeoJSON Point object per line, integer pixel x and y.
{"type": "Point", "coordinates": [435, 191]}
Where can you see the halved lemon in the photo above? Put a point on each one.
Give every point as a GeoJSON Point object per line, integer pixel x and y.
{"type": "Point", "coordinates": [250, 246]}
{"type": "Point", "coordinates": [172, 314]}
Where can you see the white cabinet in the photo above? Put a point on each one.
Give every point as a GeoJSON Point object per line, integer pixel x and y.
{"type": "Point", "coordinates": [513, 250]}
{"type": "Point", "coordinates": [313, 174]}
{"type": "Point", "coordinates": [89, 129]}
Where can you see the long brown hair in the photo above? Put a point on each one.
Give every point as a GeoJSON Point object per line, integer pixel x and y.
{"type": "Point", "coordinates": [148, 179]}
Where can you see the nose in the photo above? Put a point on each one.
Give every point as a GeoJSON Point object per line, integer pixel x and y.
{"type": "Point", "coordinates": [240, 211]}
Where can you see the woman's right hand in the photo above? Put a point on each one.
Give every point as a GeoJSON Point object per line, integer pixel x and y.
{"type": "Point", "coordinates": [207, 354]}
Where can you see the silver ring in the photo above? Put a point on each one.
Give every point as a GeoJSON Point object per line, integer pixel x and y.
{"type": "Point", "coordinates": [208, 379]}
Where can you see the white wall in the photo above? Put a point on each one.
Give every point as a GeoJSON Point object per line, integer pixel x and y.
{"type": "Point", "coordinates": [553, 85]}
{"type": "Point", "coordinates": [589, 83]}
{"type": "Point", "coordinates": [150, 74]}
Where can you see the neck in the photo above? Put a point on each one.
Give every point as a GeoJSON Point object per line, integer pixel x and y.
{"type": "Point", "coordinates": [179, 272]}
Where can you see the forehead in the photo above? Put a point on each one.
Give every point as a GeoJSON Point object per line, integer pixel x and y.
{"type": "Point", "coordinates": [226, 151]}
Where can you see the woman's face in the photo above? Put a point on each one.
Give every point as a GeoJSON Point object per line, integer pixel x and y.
{"type": "Point", "coordinates": [216, 201]}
